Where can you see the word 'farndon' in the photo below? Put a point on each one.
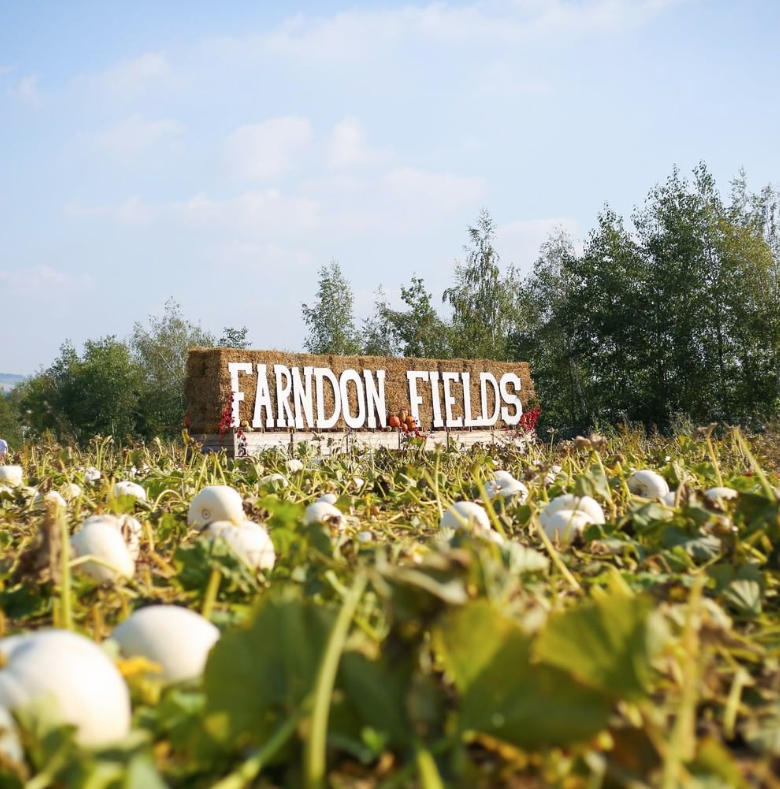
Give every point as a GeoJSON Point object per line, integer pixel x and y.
{"type": "Point", "coordinates": [300, 400]}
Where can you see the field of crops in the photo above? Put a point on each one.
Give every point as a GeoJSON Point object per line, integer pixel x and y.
{"type": "Point", "coordinates": [622, 636]}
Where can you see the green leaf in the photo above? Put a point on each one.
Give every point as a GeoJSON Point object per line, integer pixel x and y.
{"type": "Point", "coordinates": [715, 761]}
{"type": "Point", "coordinates": [744, 595]}
{"type": "Point", "coordinates": [195, 562]}
{"type": "Point", "coordinates": [593, 483]}
{"type": "Point", "coordinates": [703, 547]}
{"type": "Point", "coordinates": [141, 774]}
{"type": "Point", "coordinates": [650, 518]}
{"type": "Point", "coordinates": [265, 668]}
{"type": "Point", "coordinates": [758, 512]}
{"type": "Point", "coordinates": [503, 694]}
{"type": "Point", "coordinates": [524, 560]}
{"type": "Point", "coordinates": [604, 644]}
{"type": "Point", "coordinates": [377, 692]}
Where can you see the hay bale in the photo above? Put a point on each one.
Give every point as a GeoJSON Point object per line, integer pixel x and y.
{"type": "Point", "coordinates": [208, 385]}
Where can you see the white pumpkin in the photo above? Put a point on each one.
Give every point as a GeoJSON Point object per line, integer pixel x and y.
{"type": "Point", "coordinates": [216, 503]}
{"type": "Point", "coordinates": [465, 514]}
{"type": "Point", "coordinates": [249, 541]}
{"type": "Point", "coordinates": [502, 476]}
{"type": "Point", "coordinates": [11, 476]}
{"type": "Point", "coordinates": [508, 488]}
{"type": "Point", "coordinates": [81, 678]}
{"type": "Point", "coordinates": [328, 498]}
{"type": "Point", "coordinates": [128, 488]}
{"type": "Point", "coordinates": [130, 529]}
{"type": "Point", "coordinates": [569, 502]}
{"type": "Point", "coordinates": [647, 484]}
{"type": "Point", "coordinates": [177, 639]}
{"type": "Point", "coordinates": [322, 512]}
{"type": "Point", "coordinates": [565, 525]}
{"type": "Point", "coordinates": [103, 540]}
{"type": "Point", "coordinates": [70, 491]}
{"type": "Point", "coordinates": [670, 498]}
{"type": "Point", "coordinates": [40, 500]}
{"type": "Point", "coordinates": [274, 480]}
{"type": "Point", "coordinates": [552, 474]}
{"type": "Point", "coordinates": [720, 494]}
{"type": "Point", "coordinates": [468, 515]}
{"type": "Point", "coordinates": [293, 465]}
{"type": "Point", "coordinates": [91, 475]}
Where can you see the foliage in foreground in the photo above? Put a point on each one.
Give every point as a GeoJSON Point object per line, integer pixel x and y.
{"type": "Point", "coordinates": [397, 654]}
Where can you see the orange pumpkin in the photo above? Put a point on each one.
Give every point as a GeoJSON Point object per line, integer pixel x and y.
{"type": "Point", "coordinates": [394, 421]}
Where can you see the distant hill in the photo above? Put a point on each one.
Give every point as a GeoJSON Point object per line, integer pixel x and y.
{"type": "Point", "coordinates": [9, 380]}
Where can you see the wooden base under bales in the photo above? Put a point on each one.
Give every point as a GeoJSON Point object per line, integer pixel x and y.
{"type": "Point", "coordinates": [335, 442]}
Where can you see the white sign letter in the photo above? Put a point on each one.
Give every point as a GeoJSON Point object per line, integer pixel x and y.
{"type": "Point", "coordinates": [436, 399]}
{"type": "Point", "coordinates": [321, 373]}
{"type": "Point", "coordinates": [375, 398]}
{"type": "Point", "coordinates": [484, 380]}
{"type": "Point", "coordinates": [468, 421]}
{"type": "Point", "coordinates": [415, 400]}
{"type": "Point", "coordinates": [263, 399]}
{"type": "Point", "coordinates": [235, 368]}
{"type": "Point", "coordinates": [359, 419]}
{"type": "Point", "coordinates": [302, 397]}
{"type": "Point", "coordinates": [449, 399]}
{"type": "Point", "coordinates": [511, 398]}
{"type": "Point", "coordinates": [284, 412]}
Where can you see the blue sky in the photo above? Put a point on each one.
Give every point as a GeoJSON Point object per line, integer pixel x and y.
{"type": "Point", "coordinates": [222, 153]}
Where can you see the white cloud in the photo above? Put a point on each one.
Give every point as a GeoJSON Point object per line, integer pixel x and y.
{"type": "Point", "coordinates": [133, 77]}
{"type": "Point", "coordinates": [359, 33]}
{"type": "Point", "coordinates": [269, 259]}
{"type": "Point", "coordinates": [433, 191]}
{"type": "Point", "coordinates": [41, 281]}
{"type": "Point", "coordinates": [136, 134]}
{"type": "Point", "coordinates": [132, 211]}
{"type": "Point", "coordinates": [26, 90]}
{"type": "Point", "coordinates": [347, 146]}
{"type": "Point", "coordinates": [519, 241]}
{"type": "Point", "coordinates": [259, 214]}
{"type": "Point", "coordinates": [502, 79]}
{"type": "Point", "coordinates": [264, 151]}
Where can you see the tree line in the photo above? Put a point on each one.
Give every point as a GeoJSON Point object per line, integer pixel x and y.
{"type": "Point", "coordinates": [130, 389]}
{"type": "Point", "coordinates": [670, 314]}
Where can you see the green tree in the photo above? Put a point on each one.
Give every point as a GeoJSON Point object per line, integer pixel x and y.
{"type": "Point", "coordinates": [11, 424]}
{"type": "Point", "coordinates": [606, 322]}
{"type": "Point", "coordinates": [377, 331]}
{"type": "Point", "coordinates": [419, 331]}
{"type": "Point", "coordinates": [160, 349]}
{"type": "Point", "coordinates": [79, 397]}
{"type": "Point", "coordinates": [708, 290]}
{"type": "Point", "coordinates": [482, 299]}
{"type": "Point", "coordinates": [105, 391]}
{"type": "Point", "coordinates": [234, 338]}
{"type": "Point", "coordinates": [330, 318]}
{"type": "Point", "coordinates": [680, 317]}
{"type": "Point", "coordinates": [544, 335]}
